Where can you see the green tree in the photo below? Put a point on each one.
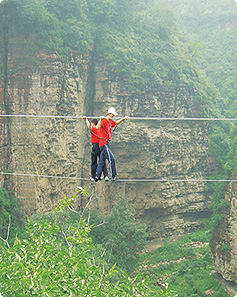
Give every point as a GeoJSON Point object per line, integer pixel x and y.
{"type": "Point", "coordinates": [122, 236]}
{"type": "Point", "coordinates": [46, 265]}
{"type": "Point", "coordinates": [231, 163]}
{"type": "Point", "coordinates": [43, 265]}
{"type": "Point", "coordinates": [10, 214]}
{"type": "Point", "coordinates": [119, 235]}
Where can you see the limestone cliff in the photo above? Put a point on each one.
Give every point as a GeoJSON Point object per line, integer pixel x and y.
{"type": "Point", "coordinates": [224, 243]}
{"type": "Point", "coordinates": [40, 83]}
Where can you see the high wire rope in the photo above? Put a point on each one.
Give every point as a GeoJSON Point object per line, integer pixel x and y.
{"type": "Point", "coordinates": [131, 118]}
{"type": "Point", "coordinates": [120, 179]}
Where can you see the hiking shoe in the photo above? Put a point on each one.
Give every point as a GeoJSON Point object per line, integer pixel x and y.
{"type": "Point", "coordinates": [113, 178]}
{"type": "Point", "coordinates": [106, 178]}
{"type": "Point", "coordinates": [97, 178]}
{"type": "Point", "coordinates": [91, 178]}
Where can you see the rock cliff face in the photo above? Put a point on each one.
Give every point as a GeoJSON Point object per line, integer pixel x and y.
{"type": "Point", "coordinates": [39, 83]}
{"type": "Point", "coordinates": [4, 143]}
{"type": "Point", "coordinates": [224, 243]}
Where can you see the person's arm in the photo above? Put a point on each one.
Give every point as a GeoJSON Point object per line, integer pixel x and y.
{"type": "Point", "coordinates": [87, 122]}
{"type": "Point", "coordinates": [121, 120]}
{"type": "Point", "coordinates": [99, 123]}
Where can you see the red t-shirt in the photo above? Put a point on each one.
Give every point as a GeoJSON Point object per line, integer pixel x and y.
{"type": "Point", "coordinates": [94, 135]}
{"type": "Point", "coordinates": [106, 131]}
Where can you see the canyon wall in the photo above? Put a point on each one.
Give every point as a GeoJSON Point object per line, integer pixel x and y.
{"type": "Point", "coordinates": [4, 143]}
{"type": "Point", "coordinates": [41, 83]}
{"type": "Point", "coordinates": [224, 242]}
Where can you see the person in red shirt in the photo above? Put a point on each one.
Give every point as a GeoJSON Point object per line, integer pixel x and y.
{"type": "Point", "coordinates": [105, 126]}
{"type": "Point", "coordinates": [95, 151]}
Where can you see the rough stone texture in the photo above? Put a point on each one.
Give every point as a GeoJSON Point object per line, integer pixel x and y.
{"type": "Point", "coordinates": [4, 146]}
{"type": "Point", "coordinates": [4, 143]}
{"type": "Point", "coordinates": [154, 149]}
{"type": "Point", "coordinates": [43, 84]}
{"type": "Point", "coordinates": [224, 243]}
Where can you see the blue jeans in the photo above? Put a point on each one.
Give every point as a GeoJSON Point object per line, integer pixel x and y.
{"type": "Point", "coordinates": [105, 153]}
{"type": "Point", "coordinates": [95, 155]}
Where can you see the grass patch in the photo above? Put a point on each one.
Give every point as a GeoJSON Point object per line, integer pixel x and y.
{"type": "Point", "coordinates": [186, 265]}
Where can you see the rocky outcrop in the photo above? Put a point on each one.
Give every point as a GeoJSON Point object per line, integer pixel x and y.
{"type": "Point", "coordinates": [40, 83]}
{"type": "Point", "coordinates": [224, 243]}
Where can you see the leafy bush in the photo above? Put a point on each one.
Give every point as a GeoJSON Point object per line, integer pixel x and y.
{"type": "Point", "coordinates": [122, 236]}
{"type": "Point", "coordinates": [45, 264]}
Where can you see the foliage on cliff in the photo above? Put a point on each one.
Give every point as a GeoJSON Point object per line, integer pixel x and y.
{"type": "Point", "coordinates": [141, 40]}
{"type": "Point", "coordinates": [213, 25]}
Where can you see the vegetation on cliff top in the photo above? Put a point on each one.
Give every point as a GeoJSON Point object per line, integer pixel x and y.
{"type": "Point", "coordinates": [141, 40]}
{"type": "Point", "coordinates": [213, 25]}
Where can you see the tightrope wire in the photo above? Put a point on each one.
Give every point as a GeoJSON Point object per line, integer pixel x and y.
{"type": "Point", "coordinates": [131, 118]}
{"type": "Point", "coordinates": [120, 179]}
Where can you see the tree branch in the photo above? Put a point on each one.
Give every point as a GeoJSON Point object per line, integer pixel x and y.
{"type": "Point", "coordinates": [98, 225]}
{"type": "Point", "coordinates": [88, 203]}
{"type": "Point", "coordinates": [69, 245]}
{"type": "Point", "coordinates": [71, 209]}
{"type": "Point", "coordinates": [102, 276]}
{"type": "Point", "coordinates": [89, 216]}
{"type": "Point", "coordinates": [8, 232]}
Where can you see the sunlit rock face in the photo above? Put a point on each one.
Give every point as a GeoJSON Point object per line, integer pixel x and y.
{"type": "Point", "coordinates": [40, 83]}
{"type": "Point", "coordinates": [224, 243]}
